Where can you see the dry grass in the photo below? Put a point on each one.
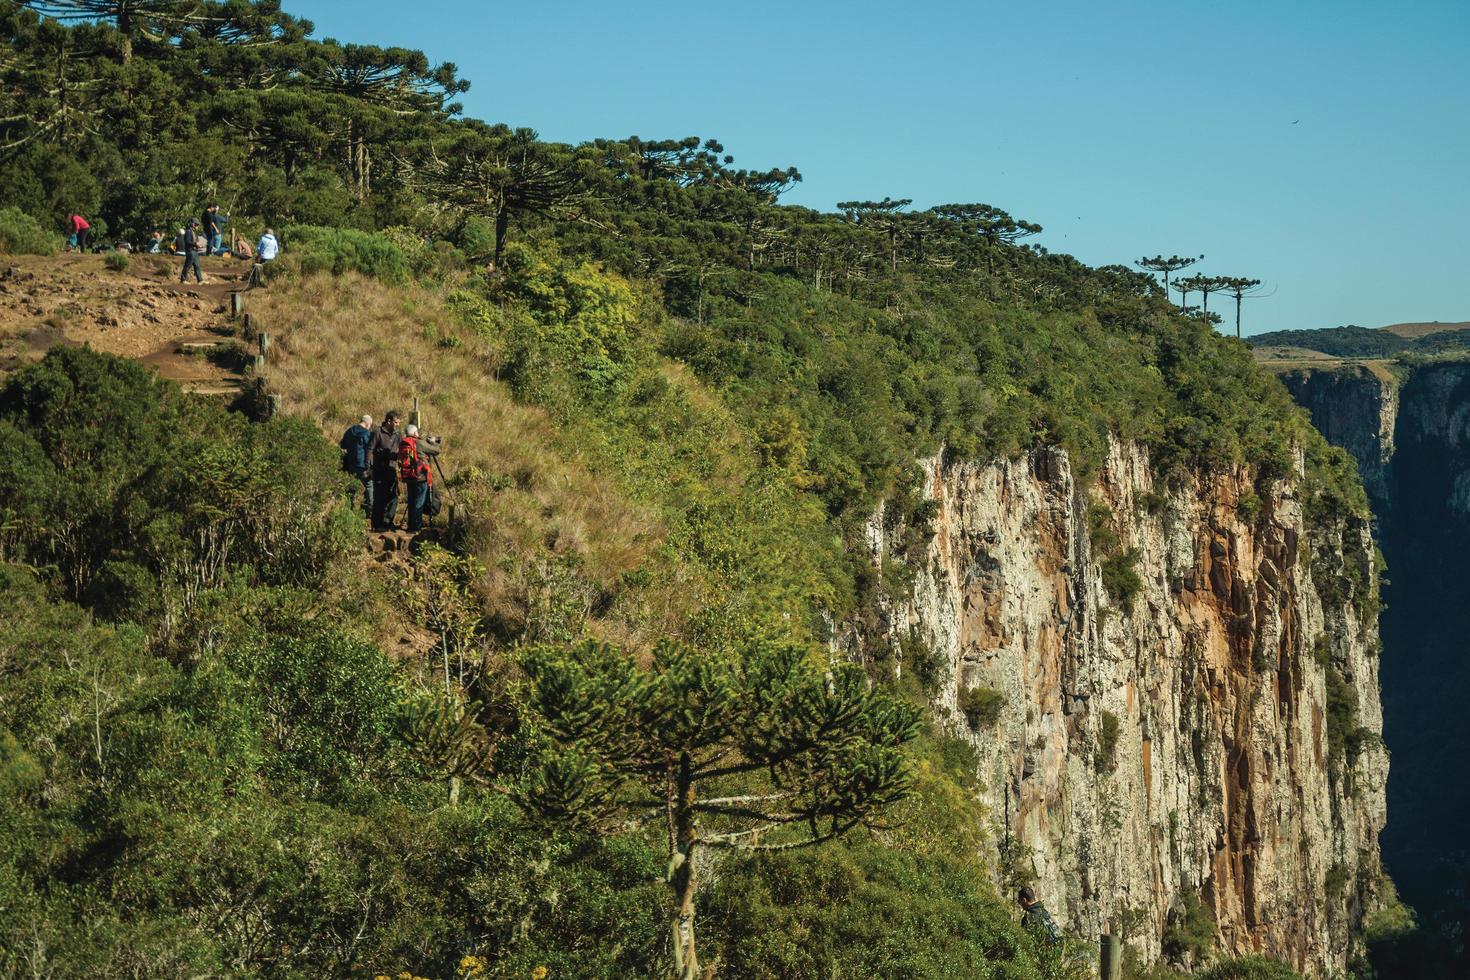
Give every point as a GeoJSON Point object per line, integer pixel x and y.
{"type": "Point", "coordinates": [541, 521]}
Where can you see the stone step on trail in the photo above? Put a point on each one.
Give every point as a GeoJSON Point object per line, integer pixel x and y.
{"type": "Point", "coordinates": [212, 387]}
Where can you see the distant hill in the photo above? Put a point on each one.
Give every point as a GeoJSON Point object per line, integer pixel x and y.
{"type": "Point", "coordinates": [1354, 341]}
{"type": "Point", "coordinates": [1337, 341]}
{"type": "Point", "coordinates": [1416, 330]}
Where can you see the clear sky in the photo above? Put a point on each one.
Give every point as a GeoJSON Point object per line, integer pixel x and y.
{"type": "Point", "coordinates": [1320, 145]}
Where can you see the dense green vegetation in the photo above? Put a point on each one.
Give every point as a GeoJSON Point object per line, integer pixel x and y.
{"type": "Point", "coordinates": [209, 766]}
{"type": "Point", "coordinates": [214, 766]}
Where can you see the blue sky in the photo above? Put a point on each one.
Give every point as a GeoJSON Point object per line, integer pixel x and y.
{"type": "Point", "coordinates": [1321, 146]}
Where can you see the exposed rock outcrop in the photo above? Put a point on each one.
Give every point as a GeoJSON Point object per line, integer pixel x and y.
{"type": "Point", "coordinates": [1211, 686]}
{"type": "Point", "coordinates": [1356, 409]}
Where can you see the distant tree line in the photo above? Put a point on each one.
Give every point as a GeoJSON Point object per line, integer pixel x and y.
{"type": "Point", "coordinates": [1237, 288]}
{"type": "Point", "coordinates": [135, 112]}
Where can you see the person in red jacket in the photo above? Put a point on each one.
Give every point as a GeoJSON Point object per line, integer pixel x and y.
{"type": "Point", "coordinates": [417, 476]}
{"type": "Point", "coordinates": [81, 230]}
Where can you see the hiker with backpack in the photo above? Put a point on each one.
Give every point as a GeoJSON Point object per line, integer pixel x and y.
{"type": "Point", "coordinates": [418, 477]}
{"type": "Point", "coordinates": [190, 243]}
{"type": "Point", "coordinates": [79, 230]}
{"type": "Point", "coordinates": [356, 458]}
{"type": "Point", "coordinates": [383, 458]}
{"type": "Point", "coordinates": [1035, 919]}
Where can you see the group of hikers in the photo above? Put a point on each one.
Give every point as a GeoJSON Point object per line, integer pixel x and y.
{"type": "Point", "coordinates": [206, 238]}
{"type": "Point", "coordinates": [379, 457]}
{"type": "Point", "coordinates": [204, 235]}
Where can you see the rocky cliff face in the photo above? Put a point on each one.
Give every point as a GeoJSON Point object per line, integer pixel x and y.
{"type": "Point", "coordinates": [1357, 410]}
{"type": "Point", "coordinates": [1178, 744]}
{"type": "Point", "coordinates": [1412, 440]}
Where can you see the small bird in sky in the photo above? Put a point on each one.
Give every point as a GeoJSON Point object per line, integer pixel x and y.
{"type": "Point", "coordinates": [1295, 121]}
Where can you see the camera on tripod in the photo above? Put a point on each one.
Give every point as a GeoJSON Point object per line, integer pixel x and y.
{"type": "Point", "coordinates": [431, 445]}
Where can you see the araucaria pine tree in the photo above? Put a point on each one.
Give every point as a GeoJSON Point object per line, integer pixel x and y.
{"type": "Point", "coordinates": [761, 750]}
{"type": "Point", "coordinates": [1167, 267]}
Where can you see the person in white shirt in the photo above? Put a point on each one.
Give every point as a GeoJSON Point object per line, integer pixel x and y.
{"type": "Point", "coordinates": [267, 248]}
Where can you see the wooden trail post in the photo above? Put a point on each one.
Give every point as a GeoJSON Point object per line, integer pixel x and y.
{"type": "Point", "coordinates": [1110, 962]}
{"type": "Point", "coordinates": [265, 345]}
{"type": "Point", "coordinates": [237, 304]}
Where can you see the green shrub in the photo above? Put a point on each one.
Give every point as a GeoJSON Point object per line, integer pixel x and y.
{"type": "Point", "coordinates": [578, 331]}
{"type": "Point", "coordinates": [981, 706]}
{"type": "Point", "coordinates": [1250, 968]}
{"type": "Point", "coordinates": [20, 234]}
{"type": "Point", "coordinates": [1390, 918]}
{"type": "Point", "coordinates": [329, 701]}
{"type": "Point", "coordinates": [117, 261]}
{"type": "Point", "coordinates": [1346, 739]}
{"type": "Point", "coordinates": [1120, 577]}
{"type": "Point", "coordinates": [340, 250]}
{"type": "Point", "coordinates": [1107, 742]}
{"type": "Point", "coordinates": [1100, 532]}
{"type": "Point", "coordinates": [1190, 931]}
{"type": "Point", "coordinates": [923, 661]}
{"type": "Point", "coordinates": [850, 910]}
{"type": "Point", "coordinates": [1248, 508]}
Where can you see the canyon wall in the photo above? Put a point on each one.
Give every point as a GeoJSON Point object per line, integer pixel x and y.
{"type": "Point", "coordinates": [1410, 431]}
{"type": "Point", "coordinates": [1175, 743]}
{"type": "Point", "coordinates": [1357, 409]}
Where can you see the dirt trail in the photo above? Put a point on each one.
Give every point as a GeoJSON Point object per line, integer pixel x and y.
{"type": "Point", "coordinates": [183, 331]}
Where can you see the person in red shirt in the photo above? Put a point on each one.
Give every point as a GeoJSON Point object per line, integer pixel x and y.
{"type": "Point", "coordinates": [81, 230]}
{"type": "Point", "coordinates": [417, 476]}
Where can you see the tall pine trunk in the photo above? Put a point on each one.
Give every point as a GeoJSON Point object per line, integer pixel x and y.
{"type": "Point", "coordinates": [502, 226]}
{"type": "Point", "coordinates": [125, 28]}
{"type": "Point", "coordinates": [684, 842]}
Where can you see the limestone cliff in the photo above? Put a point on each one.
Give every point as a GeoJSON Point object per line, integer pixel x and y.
{"type": "Point", "coordinates": [1356, 409]}
{"type": "Point", "coordinates": [1221, 781]}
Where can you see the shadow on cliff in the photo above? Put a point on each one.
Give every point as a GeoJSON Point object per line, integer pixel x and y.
{"type": "Point", "coordinates": [1425, 674]}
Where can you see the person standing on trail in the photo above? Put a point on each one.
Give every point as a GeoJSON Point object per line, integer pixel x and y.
{"type": "Point", "coordinates": [214, 224]}
{"type": "Point", "coordinates": [80, 230]}
{"type": "Point", "coordinates": [384, 462]}
{"type": "Point", "coordinates": [267, 248]}
{"type": "Point", "coordinates": [190, 243]}
{"type": "Point", "coordinates": [417, 477]}
{"type": "Point", "coordinates": [355, 459]}
{"type": "Point", "coordinates": [1035, 919]}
